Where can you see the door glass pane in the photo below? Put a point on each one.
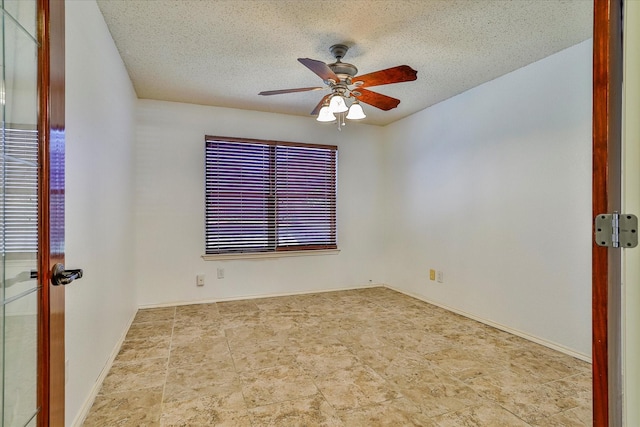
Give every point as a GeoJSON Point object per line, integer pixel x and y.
{"type": "Point", "coordinates": [20, 360]}
{"type": "Point", "coordinates": [18, 213]}
{"type": "Point", "coordinates": [24, 12]}
{"type": "Point", "coordinates": [20, 69]}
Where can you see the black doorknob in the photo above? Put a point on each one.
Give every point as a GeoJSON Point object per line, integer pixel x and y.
{"type": "Point", "coordinates": [60, 276]}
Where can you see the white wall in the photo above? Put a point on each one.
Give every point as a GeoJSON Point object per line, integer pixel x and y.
{"type": "Point", "coordinates": [631, 204]}
{"type": "Point", "coordinates": [100, 103]}
{"type": "Point", "coordinates": [169, 206]}
{"type": "Point", "coordinates": [493, 187]}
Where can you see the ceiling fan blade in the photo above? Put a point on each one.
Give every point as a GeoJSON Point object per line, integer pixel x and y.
{"type": "Point", "coordinates": [320, 68]}
{"type": "Point", "coordinates": [278, 92]}
{"type": "Point", "coordinates": [401, 73]}
{"type": "Point", "coordinates": [319, 106]}
{"type": "Point", "coordinates": [378, 100]}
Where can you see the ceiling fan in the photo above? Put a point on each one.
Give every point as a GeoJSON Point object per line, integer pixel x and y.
{"type": "Point", "coordinates": [340, 77]}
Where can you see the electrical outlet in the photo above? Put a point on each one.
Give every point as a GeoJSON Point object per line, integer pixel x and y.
{"type": "Point", "coordinates": [432, 274]}
{"type": "Point", "coordinates": [440, 277]}
{"type": "Point", "coordinates": [221, 273]}
{"type": "Point", "coordinates": [200, 280]}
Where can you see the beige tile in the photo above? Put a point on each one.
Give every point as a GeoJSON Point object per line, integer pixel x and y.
{"type": "Point", "coordinates": [406, 365]}
{"type": "Point", "coordinates": [377, 359]}
{"type": "Point", "coordinates": [355, 387]}
{"type": "Point", "coordinates": [321, 360]}
{"type": "Point", "coordinates": [486, 415]}
{"type": "Point", "coordinates": [237, 307]}
{"type": "Point", "coordinates": [431, 342]}
{"type": "Point", "coordinates": [578, 386]}
{"type": "Point", "coordinates": [364, 357]}
{"type": "Point", "coordinates": [149, 348]}
{"type": "Point", "coordinates": [312, 336]}
{"type": "Point", "coordinates": [190, 331]}
{"type": "Point", "coordinates": [580, 416]}
{"type": "Point", "coordinates": [459, 360]}
{"type": "Point", "coordinates": [332, 325]}
{"type": "Point", "coordinates": [248, 335]}
{"type": "Point", "coordinates": [154, 315]}
{"type": "Point", "coordinates": [434, 391]}
{"type": "Point", "coordinates": [136, 375]}
{"type": "Point", "coordinates": [197, 310]}
{"type": "Point", "coordinates": [399, 412]}
{"type": "Point", "coordinates": [130, 408]}
{"type": "Point", "coordinates": [261, 355]}
{"type": "Point", "coordinates": [306, 300]}
{"type": "Point", "coordinates": [224, 409]}
{"type": "Point", "coordinates": [279, 321]}
{"type": "Point", "coordinates": [576, 417]}
{"type": "Point", "coordinates": [140, 331]}
{"type": "Point", "coordinates": [278, 384]}
{"type": "Point", "coordinates": [193, 381]}
{"type": "Point", "coordinates": [213, 351]}
{"type": "Point", "coordinates": [544, 367]}
{"type": "Point", "coordinates": [239, 320]}
{"type": "Point", "coordinates": [201, 315]}
{"type": "Point", "coordinates": [311, 411]}
{"type": "Point", "coordinates": [278, 305]}
{"type": "Point", "coordinates": [528, 400]}
{"type": "Point", "coordinates": [363, 337]}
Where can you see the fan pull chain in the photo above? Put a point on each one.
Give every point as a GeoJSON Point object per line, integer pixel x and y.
{"type": "Point", "coordinates": [341, 122]}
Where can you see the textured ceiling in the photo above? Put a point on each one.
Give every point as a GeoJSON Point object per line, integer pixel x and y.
{"type": "Point", "coordinates": [223, 52]}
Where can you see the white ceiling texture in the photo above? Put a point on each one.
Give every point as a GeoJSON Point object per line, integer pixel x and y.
{"type": "Point", "coordinates": [223, 52]}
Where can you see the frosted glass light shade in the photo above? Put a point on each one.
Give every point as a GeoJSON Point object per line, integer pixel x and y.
{"type": "Point", "coordinates": [325, 115]}
{"type": "Point", "coordinates": [356, 112]}
{"type": "Point", "coordinates": [337, 104]}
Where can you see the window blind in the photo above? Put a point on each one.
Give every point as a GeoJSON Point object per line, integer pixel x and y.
{"type": "Point", "coordinates": [306, 197]}
{"type": "Point", "coordinates": [265, 196]}
{"type": "Point", "coordinates": [19, 190]}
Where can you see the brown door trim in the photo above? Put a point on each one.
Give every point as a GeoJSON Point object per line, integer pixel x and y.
{"type": "Point", "coordinates": [607, 119]}
{"type": "Point", "coordinates": [51, 353]}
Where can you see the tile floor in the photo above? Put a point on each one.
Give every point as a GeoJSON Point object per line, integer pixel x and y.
{"type": "Point", "coordinates": [369, 357]}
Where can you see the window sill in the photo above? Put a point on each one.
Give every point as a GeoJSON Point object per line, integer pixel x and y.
{"type": "Point", "coordinates": [267, 255]}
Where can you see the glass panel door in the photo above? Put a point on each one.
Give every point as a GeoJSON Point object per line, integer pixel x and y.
{"type": "Point", "coordinates": [18, 213]}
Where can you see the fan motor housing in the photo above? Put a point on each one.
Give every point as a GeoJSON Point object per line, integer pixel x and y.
{"type": "Point", "coordinates": [343, 69]}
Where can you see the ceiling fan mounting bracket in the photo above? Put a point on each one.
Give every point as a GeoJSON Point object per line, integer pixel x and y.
{"type": "Point", "coordinates": [339, 51]}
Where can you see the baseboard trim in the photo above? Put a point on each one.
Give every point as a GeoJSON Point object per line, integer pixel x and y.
{"type": "Point", "coordinates": [88, 403]}
{"type": "Point", "coordinates": [528, 337]}
{"type": "Point", "coordinates": [248, 297]}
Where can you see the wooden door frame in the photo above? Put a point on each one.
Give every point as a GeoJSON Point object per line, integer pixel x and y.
{"type": "Point", "coordinates": [606, 263]}
{"type": "Point", "coordinates": [51, 127]}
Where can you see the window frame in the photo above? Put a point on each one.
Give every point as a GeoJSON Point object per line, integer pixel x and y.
{"type": "Point", "coordinates": [272, 248]}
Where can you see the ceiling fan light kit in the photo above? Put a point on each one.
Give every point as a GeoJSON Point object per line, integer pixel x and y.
{"type": "Point", "coordinates": [340, 77]}
{"type": "Point", "coordinates": [325, 115]}
{"type": "Point", "coordinates": [356, 112]}
{"type": "Point", "coordinates": [337, 104]}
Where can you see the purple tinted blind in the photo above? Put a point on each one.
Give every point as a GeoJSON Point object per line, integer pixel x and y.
{"type": "Point", "coordinates": [265, 196]}
{"type": "Point", "coordinates": [19, 195]}
{"type": "Point", "coordinates": [305, 197]}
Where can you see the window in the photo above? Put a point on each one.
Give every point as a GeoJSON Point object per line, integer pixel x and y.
{"type": "Point", "coordinates": [267, 196]}
{"type": "Point", "coordinates": [19, 200]}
